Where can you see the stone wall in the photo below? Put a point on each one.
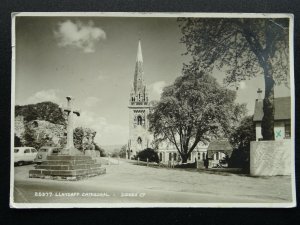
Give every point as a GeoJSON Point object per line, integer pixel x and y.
{"type": "Point", "coordinates": [44, 133]}
{"type": "Point", "coordinates": [270, 158]}
{"type": "Point", "coordinates": [19, 127]}
{"type": "Point", "coordinates": [53, 133]}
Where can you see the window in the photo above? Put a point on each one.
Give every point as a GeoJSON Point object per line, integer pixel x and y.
{"type": "Point", "coordinates": [33, 150]}
{"type": "Point", "coordinates": [190, 157]}
{"type": "Point", "coordinates": [139, 120]}
{"type": "Point", "coordinates": [203, 155]}
{"type": "Point", "coordinates": [175, 156]}
{"type": "Point", "coordinates": [160, 156]}
{"type": "Point", "coordinates": [287, 130]}
{"type": "Point", "coordinates": [199, 155]}
{"type": "Point", "coordinates": [170, 156]}
{"type": "Point", "coordinates": [217, 156]}
{"type": "Point", "coordinates": [27, 151]}
{"type": "Point", "coordinates": [16, 150]}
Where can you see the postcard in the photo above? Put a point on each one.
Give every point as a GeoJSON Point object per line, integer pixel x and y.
{"type": "Point", "coordinates": [130, 110]}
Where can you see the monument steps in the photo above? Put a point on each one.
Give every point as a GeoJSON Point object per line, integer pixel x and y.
{"type": "Point", "coordinates": [67, 167]}
{"type": "Point", "coordinates": [70, 164]}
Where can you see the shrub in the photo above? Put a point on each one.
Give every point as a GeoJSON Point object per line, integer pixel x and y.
{"type": "Point", "coordinates": [149, 154]}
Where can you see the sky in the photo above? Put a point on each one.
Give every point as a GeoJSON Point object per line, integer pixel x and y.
{"type": "Point", "coordinates": [93, 59]}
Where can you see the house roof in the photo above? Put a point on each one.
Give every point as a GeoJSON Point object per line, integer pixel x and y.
{"type": "Point", "coordinates": [282, 107]}
{"type": "Point", "coordinates": [219, 145]}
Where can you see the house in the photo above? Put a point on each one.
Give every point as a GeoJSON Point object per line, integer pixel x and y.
{"type": "Point", "coordinates": [218, 150]}
{"type": "Point", "coordinates": [168, 153]}
{"type": "Point", "coordinates": [282, 117]}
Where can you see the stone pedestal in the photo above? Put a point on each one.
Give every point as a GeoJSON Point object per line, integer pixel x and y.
{"type": "Point", "coordinates": [71, 151]}
{"type": "Point", "coordinates": [91, 153]}
{"type": "Point", "coordinates": [270, 158]}
{"type": "Point", "coordinates": [67, 167]}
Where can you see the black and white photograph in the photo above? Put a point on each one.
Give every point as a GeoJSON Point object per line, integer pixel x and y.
{"type": "Point", "coordinates": [152, 110]}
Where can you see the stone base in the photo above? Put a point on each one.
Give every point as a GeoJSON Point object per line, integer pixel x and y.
{"type": "Point", "coordinates": [67, 167]}
{"type": "Point", "coordinates": [270, 158]}
{"type": "Point", "coordinates": [71, 151]}
{"type": "Point", "coordinates": [91, 153]}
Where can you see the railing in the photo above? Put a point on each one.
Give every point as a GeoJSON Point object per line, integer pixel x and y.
{"type": "Point", "coordinates": [138, 103]}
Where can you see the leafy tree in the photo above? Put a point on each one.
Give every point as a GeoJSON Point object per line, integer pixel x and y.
{"type": "Point", "coordinates": [192, 110]}
{"type": "Point", "coordinates": [115, 153]}
{"type": "Point", "coordinates": [36, 140]}
{"type": "Point", "coordinates": [122, 152]}
{"type": "Point", "coordinates": [29, 137]}
{"type": "Point", "coordinates": [149, 154]}
{"type": "Point", "coordinates": [17, 141]}
{"type": "Point", "coordinates": [101, 150]}
{"type": "Point", "coordinates": [47, 111]}
{"type": "Point", "coordinates": [84, 138]}
{"type": "Point", "coordinates": [246, 48]}
{"type": "Point", "coordinates": [78, 135]}
{"type": "Point", "coordinates": [243, 134]}
{"type": "Point", "coordinates": [240, 140]}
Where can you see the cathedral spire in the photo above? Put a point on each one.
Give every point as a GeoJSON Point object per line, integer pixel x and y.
{"type": "Point", "coordinates": [139, 57]}
{"type": "Point", "coordinates": [138, 74]}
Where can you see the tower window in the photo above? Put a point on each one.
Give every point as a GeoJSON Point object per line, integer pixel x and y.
{"type": "Point", "coordinates": [139, 120]}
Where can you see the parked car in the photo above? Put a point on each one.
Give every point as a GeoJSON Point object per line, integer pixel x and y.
{"type": "Point", "coordinates": [23, 155]}
{"type": "Point", "coordinates": [44, 152]}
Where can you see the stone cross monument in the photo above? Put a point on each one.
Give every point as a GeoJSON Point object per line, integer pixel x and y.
{"type": "Point", "coordinates": [70, 149]}
{"type": "Point", "coordinates": [70, 164]}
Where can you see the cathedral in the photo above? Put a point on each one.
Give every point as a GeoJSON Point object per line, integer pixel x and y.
{"type": "Point", "coordinates": [139, 108]}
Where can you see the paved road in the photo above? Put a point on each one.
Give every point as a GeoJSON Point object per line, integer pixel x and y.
{"type": "Point", "coordinates": [126, 183]}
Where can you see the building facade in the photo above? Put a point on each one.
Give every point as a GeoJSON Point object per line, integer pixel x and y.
{"type": "Point", "coordinates": [138, 110]}
{"type": "Point", "coordinates": [282, 117]}
{"type": "Point", "coordinates": [168, 153]}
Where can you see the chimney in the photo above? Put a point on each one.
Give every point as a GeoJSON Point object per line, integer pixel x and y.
{"type": "Point", "coordinates": [259, 91]}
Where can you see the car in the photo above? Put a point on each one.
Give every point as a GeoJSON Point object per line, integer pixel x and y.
{"type": "Point", "coordinates": [24, 155]}
{"type": "Point", "coordinates": [45, 151]}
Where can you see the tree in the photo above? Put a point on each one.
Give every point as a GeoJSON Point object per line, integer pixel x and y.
{"type": "Point", "coordinates": [122, 152]}
{"type": "Point", "coordinates": [115, 153]}
{"type": "Point", "coordinates": [245, 47]}
{"type": "Point", "coordinates": [240, 140]}
{"type": "Point", "coordinates": [47, 111]}
{"type": "Point", "coordinates": [78, 136]}
{"type": "Point", "coordinates": [35, 138]}
{"type": "Point", "coordinates": [84, 138]}
{"type": "Point", "coordinates": [30, 137]}
{"type": "Point", "coordinates": [101, 150]}
{"type": "Point", "coordinates": [149, 154]}
{"type": "Point", "coordinates": [194, 109]}
{"type": "Point", "coordinates": [17, 141]}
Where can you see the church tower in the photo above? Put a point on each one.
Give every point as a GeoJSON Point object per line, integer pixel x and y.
{"type": "Point", "coordinates": [138, 110]}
